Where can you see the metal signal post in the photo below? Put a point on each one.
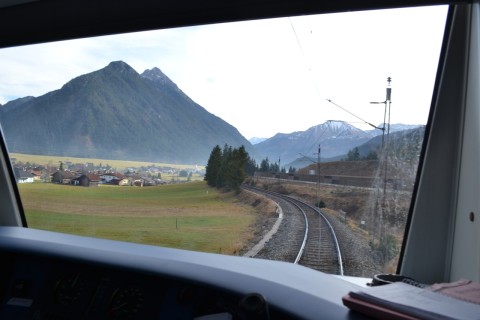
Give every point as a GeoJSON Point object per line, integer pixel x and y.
{"type": "Point", "coordinates": [384, 158]}
{"type": "Point", "coordinates": [387, 102]}
{"type": "Point", "coordinates": [318, 176]}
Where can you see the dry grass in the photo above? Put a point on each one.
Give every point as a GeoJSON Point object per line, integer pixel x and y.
{"type": "Point", "coordinates": [188, 216]}
{"type": "Point", "coordinates": [265, 217]}
{"type": "Point", "coordinates": [119, 165]}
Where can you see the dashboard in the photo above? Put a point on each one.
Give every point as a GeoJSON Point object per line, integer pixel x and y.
{"type": "Point", "coordinates": [59, 289]}
{"type": "Point", "coordinates": [47, 275]}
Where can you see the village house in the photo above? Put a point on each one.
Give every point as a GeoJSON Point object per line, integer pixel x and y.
{"type": "Point", "coordinates": [37, 174]}
{"type": "Point", "coordinates": [109, 178]}
{"type": "Point", "coordinates": [63, 177]}
{"type": "Point", "coordinates": [148, 182]}
{"type": "Point", "coordinates": [23, 176]}
{"type": "Point", "coordinates": [87, 180]}
{"type": "Point", "coordinates": [123, 182]}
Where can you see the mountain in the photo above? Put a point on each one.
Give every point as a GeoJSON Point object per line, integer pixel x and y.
{"type": "Point", "coordinates": [334, 137]}
{"type": "Point", "coordinates": [395, 127]}
{"type": "Point", "coordinates": [13, 104]}
{"type": "Point", "coordinates": [117, 113]}
{"type": "Point", "coordinates": [403, 143]}
{"type": "Point", "coordinates": [256, 140]}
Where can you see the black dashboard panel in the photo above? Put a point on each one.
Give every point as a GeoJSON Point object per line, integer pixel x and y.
{"type": "Point", "coordinates": [57, 289]}
{"type": "Point", "coordinates": [46, 275]}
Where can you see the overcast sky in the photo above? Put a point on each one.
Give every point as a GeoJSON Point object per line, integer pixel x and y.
{"type": "Point", "coordinates": [265, 76]}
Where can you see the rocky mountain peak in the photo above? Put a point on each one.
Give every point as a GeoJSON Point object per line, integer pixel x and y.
{"type": "Point", "coordinates": [156, 75]}
{"type": "Point", "coordinates": [340, 126]}
{"type": "Point", "coordinates": [121, 67]}
{"type": "Point", "coordinates": [115, 69]}
{"type": "Point", "coordinates": [333, 129]}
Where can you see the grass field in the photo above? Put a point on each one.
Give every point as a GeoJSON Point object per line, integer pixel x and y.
{"type": "Point", "coordinates": [188, 216]}
{"type": "Point", "coordinates": [120, 165]}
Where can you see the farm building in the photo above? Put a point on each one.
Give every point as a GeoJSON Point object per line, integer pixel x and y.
{"type": "Point", "coordinates": [63, 177]}
{"type": "Point", "coordinates": [87, 180]}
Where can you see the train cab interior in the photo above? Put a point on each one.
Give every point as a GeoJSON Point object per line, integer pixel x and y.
{"type": "Point", "coordinates": [51, 275]}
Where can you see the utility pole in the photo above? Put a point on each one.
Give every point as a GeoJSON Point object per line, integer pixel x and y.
{"type": "Point", "coordinates": [384, 158]}
{"type": "Point", "coordinates": [279, 166]}
{"type": "Point", "coordinates": [387, 103]}
{"type": "Point", "coordinates": [318, 176]}
{"type": "Point", "coordinates": [386, 127]}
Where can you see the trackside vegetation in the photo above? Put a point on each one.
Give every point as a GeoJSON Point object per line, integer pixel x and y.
{"type": "Point", "coordinates": [228, 168]}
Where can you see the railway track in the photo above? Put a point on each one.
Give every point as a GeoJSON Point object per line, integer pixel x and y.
{"type": "Point", "coordinates": [312, 242]}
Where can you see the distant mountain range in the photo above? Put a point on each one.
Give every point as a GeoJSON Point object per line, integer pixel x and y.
{"type": "Point", "coordinates": [335, 139]}
{"type": "Point", "coordinates": [117, 113]}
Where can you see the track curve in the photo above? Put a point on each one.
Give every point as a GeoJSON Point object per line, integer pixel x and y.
{"type": "Point", "coordinates": [311, 240]}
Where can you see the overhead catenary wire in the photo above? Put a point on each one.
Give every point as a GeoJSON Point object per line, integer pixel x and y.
{"type": "Point", "coordinates": [304, 56]}
{"type": "Point", "coordinates": [351, 113]}
{"type": "Point", "coordinates": [299, 44]}
{"type": "Point", "coordinates": [315, 83]}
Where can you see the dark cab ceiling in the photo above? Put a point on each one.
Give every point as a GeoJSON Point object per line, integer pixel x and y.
{"type": "Point", "coordinates": [27, 22]}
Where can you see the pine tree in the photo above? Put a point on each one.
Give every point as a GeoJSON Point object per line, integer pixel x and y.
{"type": "Point", "coordinates": [213, 166]}
{"type": "Point", "coordinates": [251, 167]}
{"type": "Point", "coordinates": [224, 168]}
{"type": "Point", "coordinates": [235, 175]}
{"type": "Point", "coordinates": [227, 168]}
{"type": "Point", "coordinates": [353, 155]}
{"type": "Point", "coordinates": [265, 165]}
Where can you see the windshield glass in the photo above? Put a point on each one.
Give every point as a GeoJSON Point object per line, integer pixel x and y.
{"type": "Point", "coordinates": [192, 137]}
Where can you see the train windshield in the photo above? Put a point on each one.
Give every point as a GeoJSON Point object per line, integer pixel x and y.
{"type": "Point", "coordinates": [294, 139]}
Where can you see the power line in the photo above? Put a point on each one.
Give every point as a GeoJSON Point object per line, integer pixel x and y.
{"type": "Point", "coordinates": [351, 113]}
{"type": "Point", "coordinates": [315, 83]}
{"type": "Point", "coordinates": [299, 44]}
{"type": "Point", "coordinates": [305, 60]}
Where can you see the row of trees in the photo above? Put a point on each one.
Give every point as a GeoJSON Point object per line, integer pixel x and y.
{"type": "Point", "coordinates": [267, 166]}
{"type": "Point", "coordinates": [354, 155]}
{"type": "Point", "coordinates": [227, 168]}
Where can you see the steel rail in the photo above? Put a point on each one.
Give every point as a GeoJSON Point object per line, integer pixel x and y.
{"type": "Point", "coordinates": [334, 236]}
{"type": "Point", "coordinates": [305, 236]}
{"type": "Point", "coordinates": [294, 202]}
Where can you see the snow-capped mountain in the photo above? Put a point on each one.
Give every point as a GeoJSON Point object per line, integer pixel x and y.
{"type": "Point", "coordinates": [256, 140]}
{"type": "Point", "coordinates": [334, 138]}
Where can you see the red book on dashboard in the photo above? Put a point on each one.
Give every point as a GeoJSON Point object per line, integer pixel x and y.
{"type": "Point", "coordinates": [401, 301]}
{"type": "Point", "coordinates": [374, 311]}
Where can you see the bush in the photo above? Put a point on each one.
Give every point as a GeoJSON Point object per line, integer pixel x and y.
{"type": "Point", "coordinates": [320, 204]}
{"type": "Point", "coordinates": [387, 248]}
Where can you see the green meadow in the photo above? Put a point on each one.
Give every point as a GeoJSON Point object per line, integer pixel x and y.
{"type": "Point", "coordinates": [189, 216]}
